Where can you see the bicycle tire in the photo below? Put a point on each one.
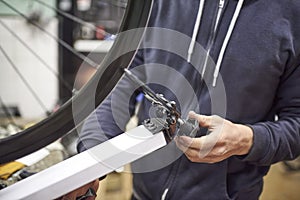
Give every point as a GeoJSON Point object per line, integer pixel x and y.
{"type": "Point", "coordinates": [61, 122]}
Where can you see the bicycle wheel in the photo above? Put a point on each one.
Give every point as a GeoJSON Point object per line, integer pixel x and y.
{"type": "Point", "coordinates": [62, 121]}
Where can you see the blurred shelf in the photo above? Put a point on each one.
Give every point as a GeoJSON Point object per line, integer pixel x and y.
{"type": "Point", "coordinates": [97, 46]}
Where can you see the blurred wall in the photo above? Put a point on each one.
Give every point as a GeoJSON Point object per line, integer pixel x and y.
{"type": "Point", "coordinates": [12, 90]}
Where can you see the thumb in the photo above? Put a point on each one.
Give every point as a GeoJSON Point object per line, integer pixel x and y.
{"type": "Point", "coordinates": [204, 121]}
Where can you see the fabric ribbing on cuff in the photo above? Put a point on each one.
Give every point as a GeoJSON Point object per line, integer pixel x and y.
{"type": "Point", "coordinates": [261, 144]}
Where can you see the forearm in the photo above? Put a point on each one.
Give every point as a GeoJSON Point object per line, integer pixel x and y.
{"type": "Point", "coordinates": [275, 141]}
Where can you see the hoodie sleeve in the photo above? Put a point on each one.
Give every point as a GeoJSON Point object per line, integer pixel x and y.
{"type": "Point", "coordinates": [105, 122]}
{"type": "Point", "coordinates": [279, 140]}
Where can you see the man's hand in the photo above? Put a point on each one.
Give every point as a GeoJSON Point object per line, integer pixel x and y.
{"type": "Point", "coordinates": [225, 139]}
{"type": "Point", "coordinates": [82, 191]}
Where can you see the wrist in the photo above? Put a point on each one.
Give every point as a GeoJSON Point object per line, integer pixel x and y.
{"type": "Point", "coordinates": [246, 138]}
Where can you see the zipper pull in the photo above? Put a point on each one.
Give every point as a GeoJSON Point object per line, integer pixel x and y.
{"type": "Point", "coordinates": [221, 3]}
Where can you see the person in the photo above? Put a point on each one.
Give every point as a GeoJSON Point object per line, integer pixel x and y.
{"type": "Point", "coordinates": [255, 45]}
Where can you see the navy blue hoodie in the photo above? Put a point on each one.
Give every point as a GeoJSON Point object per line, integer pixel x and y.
{"type": "Point", "coordinates": [259, 71]}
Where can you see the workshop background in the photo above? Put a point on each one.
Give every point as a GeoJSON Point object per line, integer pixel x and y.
{"type": "Point", "coordinates": [38, 75]}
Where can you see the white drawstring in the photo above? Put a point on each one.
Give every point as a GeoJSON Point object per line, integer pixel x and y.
{"type": "Point", "coordinates": [226, 40]}
{"type": "Point", "coordinates": [196, 29]}
{"type": "Point", "coordinates": [163, 197]}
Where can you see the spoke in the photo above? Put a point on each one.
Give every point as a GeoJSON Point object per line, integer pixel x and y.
{"type": "Point", "coordinates": [8, 115]}
{"type": "Point", "coordinates": [40, 102]}
{"type": "Point", "coordinates": [117, 3]}
{"type": "Point", "coordinates": [66, 84]}
{"type": "Point", "coordinates": [106, 77]}
{"type": "Point", "coordinates": [73, 18]}
{"type": "Point", "coordinates": [61, 42]}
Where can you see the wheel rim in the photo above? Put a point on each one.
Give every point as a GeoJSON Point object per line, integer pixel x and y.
{"type": "Point", "coordinates": [62, 121]}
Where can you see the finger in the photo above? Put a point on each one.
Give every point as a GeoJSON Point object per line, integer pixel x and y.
{"type": "Point", "coordinates": [203, 145]}
{"type": "Point", "coordinates": [91, 198]}
{"type": "Point", "coordinates": [80, 191]}
{"type": "Point", "coordinates": [90, 194]}
{"type": "Point", "coordinates": [186, 141]}
{"type": "Point", "coordinates": [181, 146]}
{"type": "Point", "coordinates": [193, 154]}
{"type": "Point", "coordinates": [95, 185]}
{"type": "Point", "coordinates": [70, 196]}
{"type": "Point", "coordinates": [190, 153]}
{"type": "Point", "coordinates": [201, 156]}
{"type": "Point", "coordinates": [204, 121]}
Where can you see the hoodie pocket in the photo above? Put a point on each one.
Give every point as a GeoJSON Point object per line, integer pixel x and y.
{"type": "Point", "coordinates": [199, 181]}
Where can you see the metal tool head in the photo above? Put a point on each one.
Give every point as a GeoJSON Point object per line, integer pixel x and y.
{"type": "Point", "coordinates": [168, 118]}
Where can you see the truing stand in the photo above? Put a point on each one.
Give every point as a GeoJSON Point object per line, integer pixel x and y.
{"type": "Point", "coordinates": [87, 166]}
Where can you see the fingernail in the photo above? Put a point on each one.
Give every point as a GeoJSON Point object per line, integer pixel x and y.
{"type": "Point", "coordinates": [192, 113]}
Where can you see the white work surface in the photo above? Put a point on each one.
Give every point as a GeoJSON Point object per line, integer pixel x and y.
{"type": "Point", "coordinates": [86, 167]}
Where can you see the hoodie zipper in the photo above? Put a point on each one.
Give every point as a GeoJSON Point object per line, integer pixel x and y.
{"type": "Point", "coordinates": [210, 44]}
{"type": "Point", "coordinates": [226, 40]}
{"type": "Point", "coordinates": [220, 9]}
{"type": "Point", "coordinates": [212, 37]}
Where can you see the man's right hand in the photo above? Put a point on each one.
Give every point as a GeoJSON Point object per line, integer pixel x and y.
{"type": "Point", "coordinates": [82, 191]}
